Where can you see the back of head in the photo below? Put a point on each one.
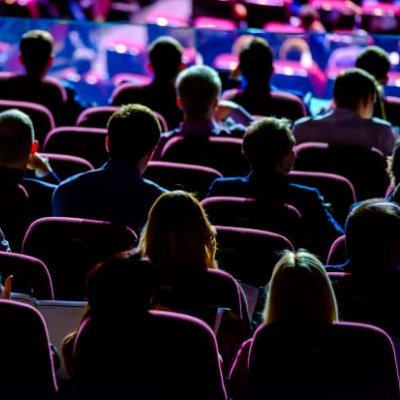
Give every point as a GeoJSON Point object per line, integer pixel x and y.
{"type": "Point", "coordinates": [133, 132]}
{"type": "Point", "coordinates": [165, 55]}
{"type": "Point", "coordinates": [373, 236]}
{"type": "Point", "coordinates": [178, 234]}
{"type": "Point", "coordinates": [36, 49]}
{"type": "Point", "coordinates": [394, 166]}
{"type": "Point", "coordinates": [16, 138]}
{"type": "Point", "coordinates": [199, 88]}
{"type": "Point", "coordinates": [256, 61]}
{"type": "Point", "coordinates": [352, 86]}
{"type": "Point", "coordinates": [265, 142]}
{"type": "Point", "coordinates": [121, 285]}
{"type": "Point", "coordinates": [375, 61]}
{"type": "Point", "coordinates": [300, 291]}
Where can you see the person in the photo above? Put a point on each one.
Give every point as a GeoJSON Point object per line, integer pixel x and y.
{"type": "Point", "coordinates": [116, 192]}
{"type": "Point", "coordinates": [199, 89]}
{"type": "Point", "coordinates": [256, 65]}
{"type": "Point", "coordinates": [351, 121]}
{"type": "Point", "coordinates": [170, 356]}
{"type": "Point", "coordinates": [393, 170]}
{"type": "Point", "coordinates": [165, 54]}
{"type": "Point", "coordinates": [34, 85]}
{"type": "Point", "coordinates": [268, 146]}
{"type": "Point", "coordinates": [376, 61]}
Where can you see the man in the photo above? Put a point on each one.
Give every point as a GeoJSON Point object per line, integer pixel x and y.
{"type": "Point", "coordinates": [165, 56]}
{"type": "Point", "coordinates": [350, 122]}
{"type": "Point", "coordinates": [256, 64]}
{"type": "Point", "coordinates": [116, 192]}
{"type": "Point", "coordinates": [268, 147]}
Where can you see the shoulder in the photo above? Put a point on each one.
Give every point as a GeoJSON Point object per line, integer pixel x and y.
{"type": "Point", "coordinates": [154, 187]}
{"type": "Point", "coordinates": [80, 180]}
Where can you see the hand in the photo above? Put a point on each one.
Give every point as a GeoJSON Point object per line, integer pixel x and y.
{"type": "Point", "coordinates": [39, 164]}
{"type": "Point", "coordinates": [6, 289]}
{"type": "Point", "coordinates": [224, 109]}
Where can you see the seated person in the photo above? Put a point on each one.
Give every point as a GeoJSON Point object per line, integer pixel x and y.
{"type": "Point", "coordinates": [257, 97]}
{"type": "Point", "coordinates": [116, 192]}
{"type": "Point", "coordinates": [199, 90]}
{"type": "Point", "coordinates": [165, 55]}
{"type": "Point", "coordinates": [268, 146]}
{"type": "Point", "coordinates": [351, 121]}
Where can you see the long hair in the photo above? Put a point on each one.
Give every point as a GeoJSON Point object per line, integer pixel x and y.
{"type": "Point", "coordinates": [300, 291]}
{"type": "Point", "coordinates": [178, 234]}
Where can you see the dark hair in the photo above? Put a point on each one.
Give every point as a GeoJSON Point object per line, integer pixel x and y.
{"type": "Point", "coordinates": [16, 137]}
{"type": "Point", "coordinates": [36, 48]}
{"type": "Point", "coordinates": [133, 131]}
{"type": "Point", "coordinates": [372, 229]}
{"type": "Point", "coordinates": [198, 87]}
{"type": "Point", "coordinates": [123, 282]}
{"type": "Point", "coordinates": [375, 61]}
{"type": "Point", "coordinates": [351, 86]}
{"type": "Point", "coordinates": [256, 61]}
{"type": "Point", "coordinates": [165, 55]}
{"type": "Point", "coordinates": [266, 141]}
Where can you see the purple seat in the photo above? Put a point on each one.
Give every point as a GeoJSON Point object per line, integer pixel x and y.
{"type": "Point", "coordinates": [337, 190]}
{"type": "Point", "coordinates": [283, 219]}
{"type": "Point", "coordinates": [190, 177]}
{"type": "Point", "coordinates": [31, 275]}
{"type": "Point", "coordinates": [392, 108]}
{"type": "Point", "coordinates": [87, 143]}
{"type": "Point", "coordinates": [171, 356]}
{"type": "Point", "coordinates": [70, 247]}
{"type": "Point", "coordinates": [222, 153]}
{"type": "Point", "coordinates": [337, 253]}
{"type": "Point", "coordinates": [364, 168]}
{"type": "Point", "coordinates": [322, 361]}
{"type": "Point", "coordinates": [42, 119]}
{"type": "Point", "coordinates": [249, 254]}
{"type": "Point", "coordinates": [66, 165]}
{"type": "Point", "coordinates": [26, 370]}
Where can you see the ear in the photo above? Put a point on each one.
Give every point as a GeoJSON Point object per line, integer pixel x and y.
{"type": "Point", "coordinates": [20, 60]}
{"type": "Point", "coordinates": [150, 67]}
{"type": "Point", "coordinates": [107, 144]}
{"type": "Point", "coordinates": [50, 62]}
{"type": "Point", "coordinates": [182, 66]}
{"type": "Point", "coordinates": [179, 103]}
{"type": "Point", "coordinates": [34, 147]}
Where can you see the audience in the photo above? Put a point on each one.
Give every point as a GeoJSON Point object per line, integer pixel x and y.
{"type": "Point", "coordinates": [116, 192]}
{"type": "Point", "coordinates": [258, 98]}
{"type": "Point", "coordinates": [268, 146]}
{"type": "Point", "coordinates": [350, 122]}
{"type": "Point", "coordinates": [165, 55]}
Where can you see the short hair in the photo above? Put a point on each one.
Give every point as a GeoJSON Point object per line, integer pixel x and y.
{"type": "Point", "coordinates": [133, 131]}
{"type": "Point", "coordinates": [36, 47]}
{"type": "Point", "coordinates": [352, 86]}
{"type": "Point", "coordinates": [256, 61]}
{"type": "Point", "coordinates": [266, 141]}
{"type": "Point", "coordinates": [178, 234]}
{"type": "Point", "coordinates": [372, 229]}
{"type": "Point", "coordinates": [198, 87]}
{"type": "Point", "coordinates": [394, 165]}
{"type": "Point", "coordinates": [123, 282]}
{"type": "Point", "coordinates": [375, 61]}
{"type": "Point", "coordinates": [16, 137]}
{"type": "Point", "coordinates": [165, 55]}
{"type": "Point", "coordinates": [300, 291]}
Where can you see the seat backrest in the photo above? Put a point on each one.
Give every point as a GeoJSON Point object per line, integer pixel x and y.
{"type": "Point", "coordinates": [88, 143]}
{"type": "Point", "coordinates": [161, 356]}
{"type": "Point", "coordinates": [337, 253]}
{"type": "Point", "coordinates": [14, 214]}
{"type": "Point", "coordinates": [392, 109]}
{"type": "Point", "coordinates": [332, 361]}
{"type": "Point", "coordinates": [249, 213]}
{"type": "Point", "coordinates": [26, 370]}
{"type": "Point", "coordinates": [70, 247]}
{"type": "Point", "coordinates": [30, 275]}
{"type": "Point", "coordinates": [97, 117]}
{"type": "Point", "coordinates": [42, 118]}
{"type": "Point", "coordinates": [66, 165]}
{"type": "Point", "coordinates": [337, 190]}
{"type": "Point", "coordinates": [190, 177]}
{"type": "Point", "coordinates": [249, 254]}
{"type": "Point", "coordinates": [364, 168]}
{"type": "Point", "coordinates": [222, 153]}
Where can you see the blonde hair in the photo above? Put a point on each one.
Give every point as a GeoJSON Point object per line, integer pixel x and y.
{"type": "Point", "coordinates": [178, 234]}
{"type": "Point", "coordinates": [300, 291]}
